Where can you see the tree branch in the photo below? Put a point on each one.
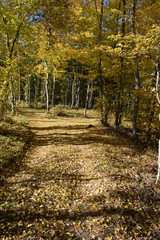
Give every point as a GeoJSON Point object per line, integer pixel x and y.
{"type": "Point", "coordinates": [18, 30]}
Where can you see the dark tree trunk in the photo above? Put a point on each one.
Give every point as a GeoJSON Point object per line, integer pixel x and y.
{"type": "Point", "coordinates": [73, 85]}
{"type": "Point", "coordinates": [78, 94]}
{"type": "Point", "coordinates": [137, 76]}
{"type": "Point", "coordinates": [136, 101]}
{"type": "Point", "coordinates": [86, 103]}
{"type": "Point", "coordinates": [90, 101]}
{"type": "Point", "coordinates": [119, 111]}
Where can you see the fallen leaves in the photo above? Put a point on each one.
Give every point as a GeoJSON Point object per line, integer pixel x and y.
{"type": "Point", "coordinates": [14, 138]}
{"type": "Point", "coordinates": [80, 183]}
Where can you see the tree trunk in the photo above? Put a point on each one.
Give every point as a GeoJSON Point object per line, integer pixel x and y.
{"type": "Point", "coordinates": [29, 92]}
{"type": "Point", "coordinates": [99, 41]}
{"type": "Point", "coordinates": [19, 91]}
{"type": "Point", "coordinates": [119, 111]}
{"type": "Point", "coordinates": [136, 101]}
{"type": "Point", "coordinates": [2, 110]}
{"type": "Point", "coordinates": [3, 98]}
{"type": "Point", "coordinates": [106, 104]}
{"type": "Point", "coordinates": [100, 61]}
{"type": "Point", "coordinates": [67, 97]}
{"type": "Point", "coordinates": [86, 103]}
{"type": "Point", "coordinates": [90, 101]}
{"type": "Point", "coordinates": [26, 93]}
{"type": "Point", "coordinates": [118, 116]}
{"type": "Point", "coordinates": [78, 94]}
{"type": "Point", "coordinates": [151, 109]}
{"type": "Point", "coordinates": [137, 77]}
{"type": "Point", "coordinates": [158, 98]}
{"type": "Point", "coordinates": [107, 113]}
{"type": "Point", "coordinates": [101, 89]}
{"type": "Point", "coordinates": [19, 86]}
{"type": "Point", "coordinates": [43, 93]}
{"type": "Point", "coordinates": [19, 82]}
{"type": "Point", "coordinates": [158, 174]}
{"type": "Point", "coordinates": [47, 93]}
{"type": "Point", "coordinates": [36, 94]}
{"type": "Point", "coordinates": [53, 90]}
{"type": "Point", "coordinates": [12, 97]}
{"type": "Point", "coordinates": [151, 106]}
{"type": "Point", "coordinates": [73, 84]}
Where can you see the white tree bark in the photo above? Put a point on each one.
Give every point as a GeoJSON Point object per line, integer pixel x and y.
{"type": "Point", "coordinates": [47, 93]}
{"type": "Point", "coordinates": [29, 92]}
{"type": "Point", "coordinates": [43, 93]}
{"type": "Point", "coordinates": [158, 163]}
{"type": "Point", "coordinates": [19, 82]}
{"type": "Point", "coordinates": [53, 90]}
{"type": "Point", "coordinates": [157, 87]}
{"type": "Point", "coordinates": [19, 90]}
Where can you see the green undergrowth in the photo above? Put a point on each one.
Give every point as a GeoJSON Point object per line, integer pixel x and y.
{"type": "Point", "coordinates": [14, 138]}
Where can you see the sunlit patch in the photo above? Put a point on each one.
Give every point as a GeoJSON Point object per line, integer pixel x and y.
{"type": "Point", "coordinates": [77, 182]}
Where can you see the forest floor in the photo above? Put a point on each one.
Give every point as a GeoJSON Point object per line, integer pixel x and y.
{"type": "Point", "coordinates": [79, 180]}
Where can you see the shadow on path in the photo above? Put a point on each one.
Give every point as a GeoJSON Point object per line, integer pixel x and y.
{"type": "Point", "coordinates": [77, 187]}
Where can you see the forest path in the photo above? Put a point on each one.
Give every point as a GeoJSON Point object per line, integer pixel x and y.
{"type": "Point", "coordinates": [72, 183]}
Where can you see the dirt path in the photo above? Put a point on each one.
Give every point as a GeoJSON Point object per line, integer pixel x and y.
{"type": "Point", "coordinates": [79, 181]}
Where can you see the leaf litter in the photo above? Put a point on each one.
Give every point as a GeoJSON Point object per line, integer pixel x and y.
{"type": "Point", "coordinates": [77, 182]}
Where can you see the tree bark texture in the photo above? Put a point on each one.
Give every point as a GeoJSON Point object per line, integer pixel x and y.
{"type": "Point", "coordinates": [86, 103]}
{"type": "Point", "coordinates": [53, 90]}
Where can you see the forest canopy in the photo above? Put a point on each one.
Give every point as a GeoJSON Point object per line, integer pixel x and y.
{"type": "Point", "coordinates": [100, 54]}
{"type": "Point", "coordinates": [79, 119]}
